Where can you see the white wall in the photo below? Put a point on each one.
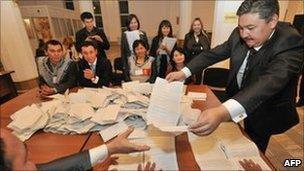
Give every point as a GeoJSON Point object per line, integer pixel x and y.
{"type": "Point", "coordinates": [150, 14]}
{"type": "Point", "coordinates": [204, 10]}
{"type": "Point", "coordinates": [54, 3]}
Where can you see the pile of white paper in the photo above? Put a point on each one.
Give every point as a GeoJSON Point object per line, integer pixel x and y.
{"type": "Point", "coordinates": [165, 105]}
{"type": "Point", "coordinates": [27, 121]}
{"type": "Point", "coordinates": [224, 148]}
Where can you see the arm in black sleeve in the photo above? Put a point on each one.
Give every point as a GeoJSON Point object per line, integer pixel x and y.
{"type": "Point", "coordinates": [106, 76]}
{"type": "Point", "coordinates": [154, 47]}
{"type": "Point", "coordinates": [145, 39]}
{"type": "Point", "coordinates": [78, 42]}
{"type": "Point", "coordinates": [284, 67]}
{"type": "Point", "coordinates": [71, 77]}
{"type": "Point", "coordinates": [105, 43]}
{"type": "Point", "coordinates": [80, 161]}
{"type": "Point", "coordinates": [153, 72]}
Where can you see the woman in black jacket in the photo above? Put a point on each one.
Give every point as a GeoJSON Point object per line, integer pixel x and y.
{"type": "Point", "coordinates": [195, 42]}
{"type": "Point", "coordinates": [164, 30]}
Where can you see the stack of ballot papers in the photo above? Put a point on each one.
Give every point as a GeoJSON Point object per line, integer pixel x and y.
{"type": "Point", "coordinates": [224, 148]}
{"type": "Point", "coordinates": [162, 152]}
{"type": "Point", "coordinates": [165, 106]}
{"type": "Point", "coordinates": [27, 121]}
{"type": "Point", "coordinates": [197, 96]}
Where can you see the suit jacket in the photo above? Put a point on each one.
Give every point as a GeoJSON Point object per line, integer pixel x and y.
{"type": "Point", "coordinates": [268, 94]}
{"type": "Point", "coordinates": [79, 161]}
{"type": "Point", "coordinates": [69, 79]}
{"type": "Point", "coordinates": [82, 34]}
{"type": "Point", "coordinates": [193, 48]}
{"type": "Point", "coordinates": [103, 71]}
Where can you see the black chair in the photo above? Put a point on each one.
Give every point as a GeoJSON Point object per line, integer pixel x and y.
{"type": "Point", "coordinates": [216, 79]}
{"type": "Point", "coordinates": [118, 75]}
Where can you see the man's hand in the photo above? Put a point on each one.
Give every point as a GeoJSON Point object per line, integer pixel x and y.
{"type": "Point", "coordinates": [88, 74]}
{"type": "Point", "coordinates": [209, 120]}
{"type": "Point", "coordinates": [120, 144]}
{"type": "Point", "coordinates": [148, 167]}
{"type": "Point", "coordinates": [250, 165]}
{"type": "Point", "coordinates": [96, 37]}
{"type": "Point", "coordinates": [176, 76]}
{"type": "Point", "coordinates": [46, 90]}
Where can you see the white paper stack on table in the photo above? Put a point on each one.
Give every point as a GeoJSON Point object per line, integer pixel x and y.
{"type": "Point", "coordinates": [224, 148]}
{"type": "Point", "coordinates": [27, 121]}
{"type": "Point", "coordinates": [164, 110]}
{"type": "Point", "coordinates": [162, 152]}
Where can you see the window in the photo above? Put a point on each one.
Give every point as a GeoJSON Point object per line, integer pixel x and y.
{"type": "Point", "coordinates": [69, 4]}
{"type": "Point", "coordinates": [97, 13]}
{"type": "Point", "coordinates": [124, 13]}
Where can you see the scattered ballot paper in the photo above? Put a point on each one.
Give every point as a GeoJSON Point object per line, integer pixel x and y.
{"type": "Point", "coordinates": [106, 115]}
{"type": "Point", "coordinates": [113, 130]}
{"type": "Point", "coordinates": [164, 109]}
{"type": "Point", "coordinates": [197, 95]}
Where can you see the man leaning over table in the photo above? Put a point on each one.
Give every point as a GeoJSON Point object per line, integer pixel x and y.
{"type": "Point", "coordinates": [13, 154]}
{"type": "Point", "coordinates": [266, 58]}
{"type": "Point", "coordinates": [56, 73]}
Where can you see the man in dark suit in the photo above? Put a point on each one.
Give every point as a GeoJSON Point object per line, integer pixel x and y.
{"type": "Point", "coordinates": [266, 58]}
{"type": "Point", "coordinates": [93, 71]}
{"type": "Point", "coordinates": [13, 154]}
{"type": "Point", "coordinates": [91, 33]}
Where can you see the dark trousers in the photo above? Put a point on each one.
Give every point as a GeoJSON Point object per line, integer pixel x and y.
{"type": "Point", "coordinates": [260, 140]}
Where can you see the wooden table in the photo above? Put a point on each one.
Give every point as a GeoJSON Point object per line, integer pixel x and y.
{"type": "Point", "coordinates": [185, 156]}
{"type": "Point", "coordinates": [43, 147]}
{"type": "Point", "coordinates": [7, 87]}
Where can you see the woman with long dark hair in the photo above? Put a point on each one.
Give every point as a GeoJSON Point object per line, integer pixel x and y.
{"type": "Point", "coordinates": [164, 30]}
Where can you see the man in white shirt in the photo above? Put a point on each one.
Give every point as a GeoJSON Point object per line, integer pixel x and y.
{"type": "Point", "coordinates": [14, 154]}
{"type": "Point", "coordinates": [266, 58]}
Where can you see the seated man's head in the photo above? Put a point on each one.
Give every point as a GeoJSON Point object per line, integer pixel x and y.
{"type": "Point", "coordinates": [88, 20]}
{"type": "Point", "coordinates": [257, 20]}
{"type": "Point", "coordinates": [54, 50]}
{"type": "Point", "coordinates": [13, 153]}
{"type": "Point", "coordinates": [89, 51]}
{"type": "Point", "coordinates": [140, 49]}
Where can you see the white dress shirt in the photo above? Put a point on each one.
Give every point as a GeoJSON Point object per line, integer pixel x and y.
{"type": "Point", "coordinates": [236, 110]}
{"type": "Point", "coordinates": [98, 154]}
{"type": "Point", "coordinates": [93, 68]}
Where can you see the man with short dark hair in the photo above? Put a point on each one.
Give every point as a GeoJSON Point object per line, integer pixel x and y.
{"type": "Point", "coordinates": [56, 73]}
{"type": "Point", "coordinates": [93, 71]}
{"type": "Point", "coordinates": [266, 58]}
{"type": "Point", "coordinates": [91, 33]}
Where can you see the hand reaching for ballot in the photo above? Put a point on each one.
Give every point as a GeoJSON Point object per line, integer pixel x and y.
{"type": "Point", "coordinates": [176, 76]}
{"type": "Point", "coordinates": [250, 165]}
{"type": "Point", "coordinates": [209, 120]}
{"type": "Point", "coordinates": [148, 167]}
{"type": "Point", "coordinates": [121, 144]}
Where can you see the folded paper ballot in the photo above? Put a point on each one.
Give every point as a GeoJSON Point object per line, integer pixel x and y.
{"type": "Point", "coordinates": [164, 109]}
{"type": "Point", "coordinates": [197, 96]}
{"type": "Point", "coordinates": [106, 115]}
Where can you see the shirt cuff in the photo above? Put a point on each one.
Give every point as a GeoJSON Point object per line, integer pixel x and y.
{"type": "Point", "coordinates": [95, 80]}
{"type": "Point", "coordinates": [187, 72]}
{"type": "Point", "coordinates": [98, 154]}
{"type": "Point", "coordinates": [236, 110]}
